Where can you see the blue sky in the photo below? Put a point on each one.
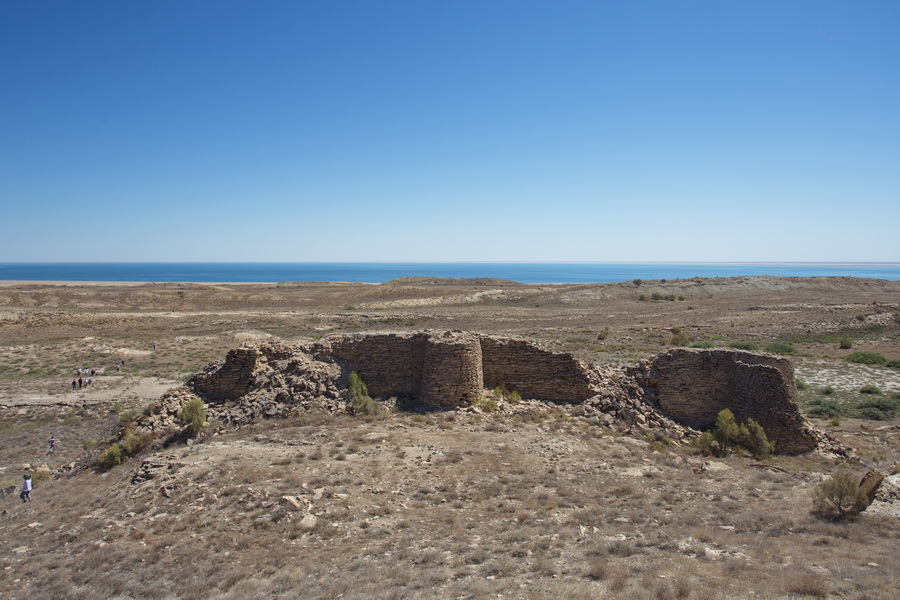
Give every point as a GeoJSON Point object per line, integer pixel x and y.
{"type": "Point", "coordinates": [450, 131]}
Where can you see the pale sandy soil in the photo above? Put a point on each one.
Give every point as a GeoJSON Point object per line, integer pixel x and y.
{"type": "Point", "coordinates": [434, 506]}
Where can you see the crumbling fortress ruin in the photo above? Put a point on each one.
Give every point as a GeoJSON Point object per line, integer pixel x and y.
{"type": "Point", "coordinates": [678, 391]}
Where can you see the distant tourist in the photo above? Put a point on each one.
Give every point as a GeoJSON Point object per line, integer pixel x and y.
{"type": "Point", "coordinates": [53, 444]}
{"type": "Point", "coordinates": [74, 385]}
{"type": "Point", "coordinates": [26, 488]}
{"type": "Point", "coordinates": [80, 383]}
{"type": "Point", "coordinates": [117, 368]}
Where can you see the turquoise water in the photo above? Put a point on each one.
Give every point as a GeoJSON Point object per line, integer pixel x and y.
{"type": "Point", "coordinates": [380, 272]}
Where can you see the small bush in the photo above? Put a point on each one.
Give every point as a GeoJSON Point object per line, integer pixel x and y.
{"type": "Point", "coordinates": [888, 405]}
{"type": "Point", "coordinates": [486, 403]}
{"type": "Point", "coordinates": [708, 445]}
{"type": "Point", "coordinates": [867, 358]}
{"type": "Point", "coordinates": [894, 364]}
{"type": "Point", "coordinates": [869, 389]}
{"type": "Point", "coordinates": [365, 406]}
{"type": "Point", "coordinates": [112, 457]}
{"type": "Point", "coordinates": [679, 337]}
{"type": "Point", "coordinates": [358, 388]}
{"type": "Point", "coordinates": [637, 282]}
{"type": "Point", "coordinates": [703, 344]}
{"type": "Point", "coordinates": [780, 348]}
{"type": "Point", "coordinates": [870, 413]}
{"type": "Point", "coordinates": [838, 497]}
{"type": "Point", "coordinates": [845, 343]}
{"type": "Point", "coordinates": [801, 385]}
{"type": "Point", "coordinates": [827, 390]}
{"type": "Point", "coordinates": [743, 345]}
{"type": "Point", "coordinates": [825, 408]}
{"type": "Point", "coordinates": [193, 415]}
{"type": "Point", "coordinates": [753, 437]}
{"type": "Point", "coordinates": [727, 434]}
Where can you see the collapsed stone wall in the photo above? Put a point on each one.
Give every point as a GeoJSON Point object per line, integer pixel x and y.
{"type": "Point", "coordinates": [687, 387]}
{"type": "Point", "coordinates": [232, 378]}
{"type": "Point", "coordinates": [390, 363]}
{"type": "Point", "coordinates": [692, 386]}
{"type": "Point", "coordinates": [535, 373]}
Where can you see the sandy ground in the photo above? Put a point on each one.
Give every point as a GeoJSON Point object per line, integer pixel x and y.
{"type": "Point", "coordinates": [435, 506]}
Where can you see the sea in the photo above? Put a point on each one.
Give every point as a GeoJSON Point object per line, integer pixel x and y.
{"type": "Point", "coordinates": [537, 272]}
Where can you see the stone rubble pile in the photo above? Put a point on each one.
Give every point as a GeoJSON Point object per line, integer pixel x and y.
{"type": "Point", "coordinates": [670, 395]}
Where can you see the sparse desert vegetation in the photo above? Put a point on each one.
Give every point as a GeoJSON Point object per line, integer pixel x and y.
{"type": "Point", "coordinates": [388, 503]}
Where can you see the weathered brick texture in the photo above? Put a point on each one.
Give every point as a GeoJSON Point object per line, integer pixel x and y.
{"type": "Point", "coordinates": [534, 373]}
{"type": "Point", "coordinates": [692, 386]}
{"type": "Point", "coordinates": [229, 380]}
{"type": "Point", "coordinates": [452, 373]}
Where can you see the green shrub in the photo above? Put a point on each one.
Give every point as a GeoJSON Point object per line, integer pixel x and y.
{"type": "Point", "coordinates": [825, 408]}
{"type": "Point", "coordinates": [514, 397]}
{"type": "Point", "coordinates": [845, 343]}
{"type": "Point", "coordinates": [358, 388]}
{"type": "Point", "coordinates": [838, 497]}
{"type": "Point", "coordinates": [642, 297]}
{"type": "Point", "coordinates": [728, 434]}
{"type": "Point", "coordinates": [703, 344]}
{"type": "Point", "coordinates": [753, 437]}
{"type": "Point", "coordinates": [827, 390]}
{"type": "Point", "coordinates": [801, 385]}
{"type": "Point", "coordinates": [637, 282]}
{"type": "Point", "coordinates": [112, 457]}
{"type": "Point", "coordinates": [365, 406]}
{"type": "Point", "coordinates": [894, 364]}
{"type": "Point", "coordinates": [870, 413]}
{"type": "Point", "coordinates": [743, 345]}
{"type": "Point", "coordinates": [193, 415]}
{"type": "Point", "coordinates": [679, 337]}
{"type": "Point", "coordinates": [867, 358]}
{"type": "Point", "coordinates": [132, 443]}
{"type": "Point", "coordinates": [486, 403]}
{"type": "Point", "coordinates": [708, 445]}
{"type": "Point", "coordinates": [888, 405]}
{"type": "Point", "coordinates": [780, 348]}
{"type": "Point", "coordinates": [869, 389]}
{"type": "Point", "coordinates": [727, 431]}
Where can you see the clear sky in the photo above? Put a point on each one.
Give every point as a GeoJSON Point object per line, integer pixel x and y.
{"type": "Point", "coordinates": [419, 130]}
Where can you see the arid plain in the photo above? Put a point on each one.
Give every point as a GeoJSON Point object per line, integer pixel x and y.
{"type": "Point", "coordinates": [453, 504]}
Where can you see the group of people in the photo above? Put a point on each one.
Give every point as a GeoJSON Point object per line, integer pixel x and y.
{"type": "Point", "coordinates": [80, 383]}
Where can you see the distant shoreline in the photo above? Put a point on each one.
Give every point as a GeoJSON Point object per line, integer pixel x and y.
{"type": "Point", "coordinates": [531, 273]}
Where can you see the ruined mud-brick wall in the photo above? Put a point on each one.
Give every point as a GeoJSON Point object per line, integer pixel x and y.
{"type": "Point", "coordinates": [390, 363]}
{"type": "Point", "coordinates": [441, 369]}
{"type": "Point", "coordinates": [692, 386]}
{"type": "Point", "coordinates": [533, 372]}
{"type": "Point", "coordinates": [229, 380]}
{"type": "Point", "coordinates": [452, 373]}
